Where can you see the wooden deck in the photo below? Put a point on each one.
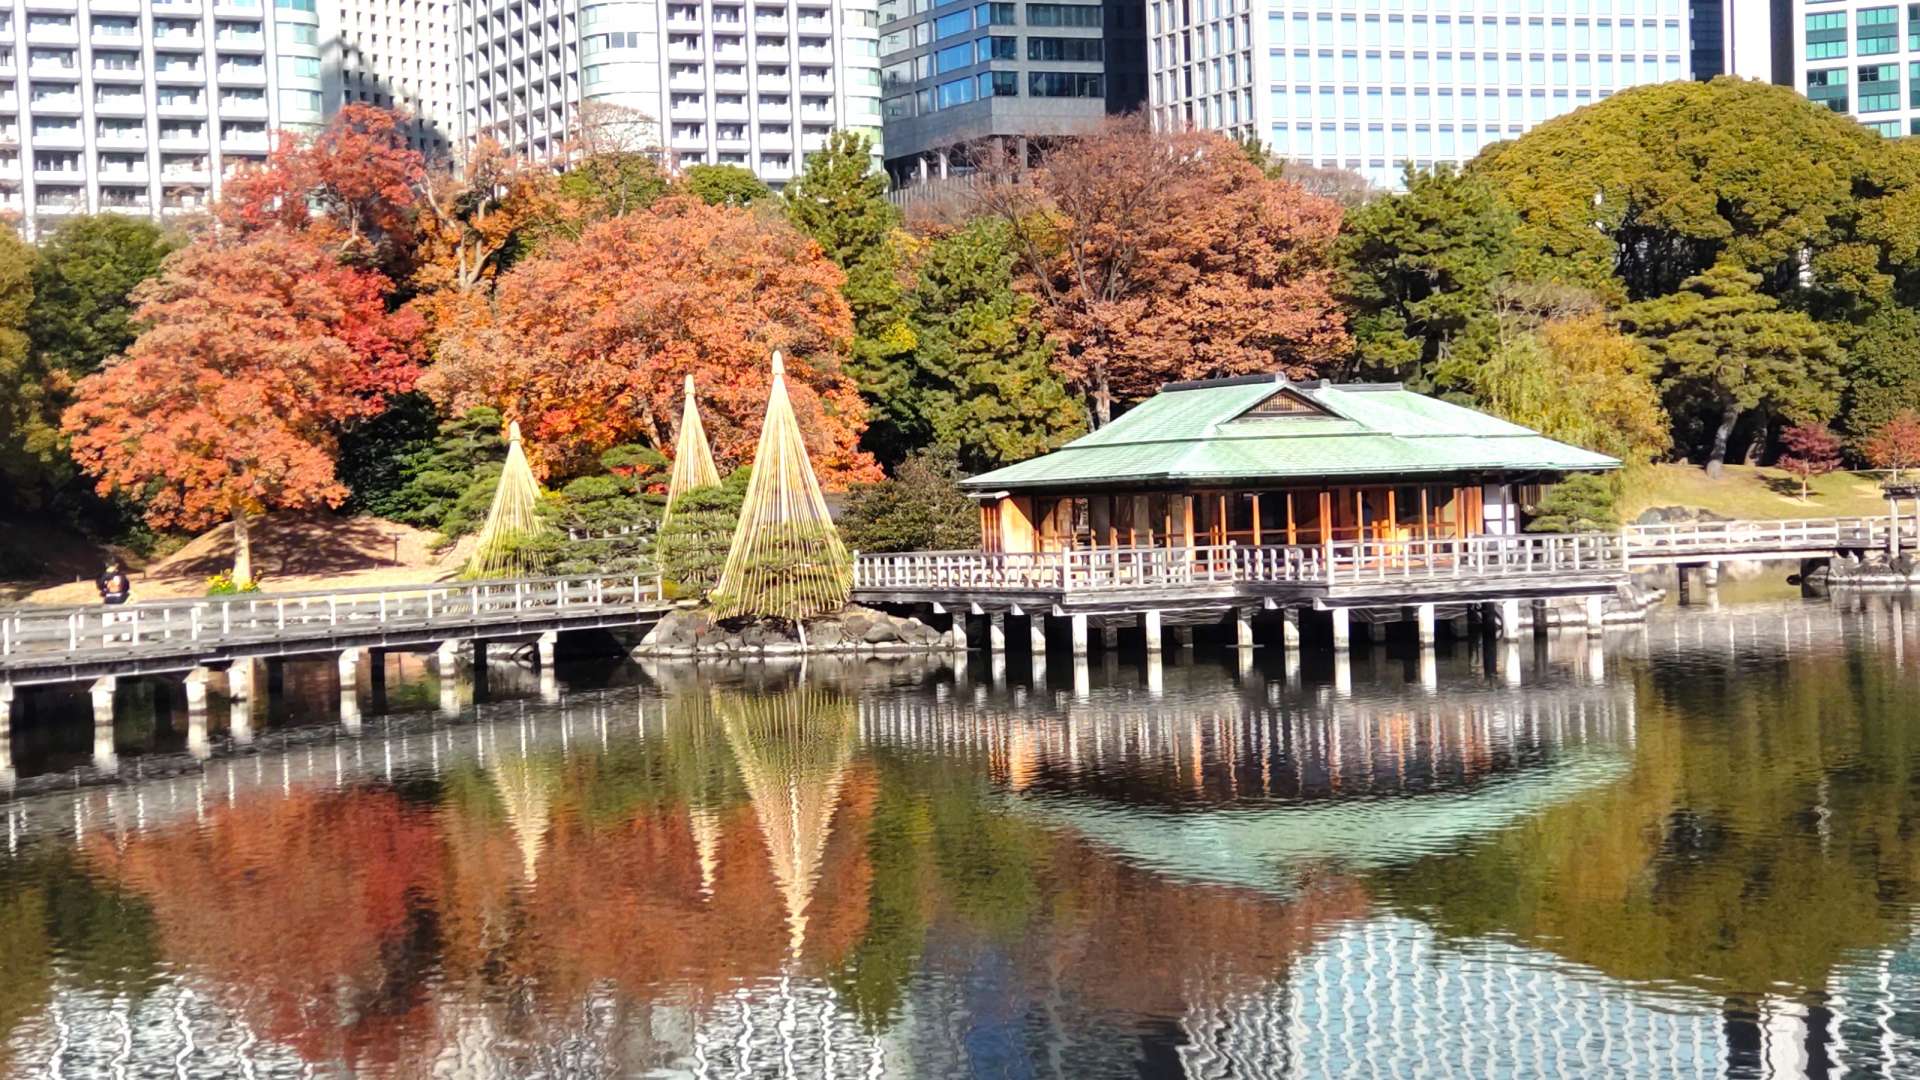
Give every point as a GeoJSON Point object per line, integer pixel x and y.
{"type": "Point", "coordinates": [1343, 574]}
{"type": "Point", "coordinates": [62, 644]}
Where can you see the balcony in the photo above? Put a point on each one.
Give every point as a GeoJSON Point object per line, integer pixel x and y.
{"type": "Point", "coordinates": [181, 108]}
{"type": "Point", "coordinates": [120, 105]}
{"type": "Point", "coordinates": [62, 104]}
{"type": "Point", "coordinates": [179, 73]}
{"type": "Point", "coordinates": [250, 43]}
{"type": "Point", "coordinates": [243, 108]}
{"type": "Point", "coordinates": [52, 5]}
{"type": "Point", "coordinates": [52, 35]}
{"type": "Point", "coordinates": [118, 74]}
{"type": "Point", "coordinates": [240, 140]}
{"type": "Point", "coordinates": [124, 174]}
{"type": "Point", "coordinates": [116, 138]}
{"type": "Point", "coordinates": [242, 75]}
{"type": "Point", "coordinates": [186, 138]}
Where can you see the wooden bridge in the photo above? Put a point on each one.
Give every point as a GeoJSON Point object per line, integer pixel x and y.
{"type": "Point", "coordinates": [1683, 543]}
{"type": "Point", "coordinates": [66, 644]}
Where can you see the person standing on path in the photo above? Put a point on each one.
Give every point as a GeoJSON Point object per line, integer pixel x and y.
{"type": "Point", "coordinates": [113, 584]}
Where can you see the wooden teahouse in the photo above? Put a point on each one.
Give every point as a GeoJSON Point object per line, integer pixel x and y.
{"type": "Point", "coordinates": [1259, 460]}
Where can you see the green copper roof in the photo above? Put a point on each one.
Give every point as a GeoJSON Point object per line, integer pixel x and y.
{"type": "Point", "coordinates": [1200, 433]}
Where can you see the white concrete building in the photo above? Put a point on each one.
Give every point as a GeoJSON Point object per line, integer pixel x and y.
{"type": "Point", "coordinates": [120, 105]}
{"type": "Point", "coordinates": [1860, 58]}
{"type": "Point", "coordinates": [754, 83]}
{"type": "Point", "coordinates": [396, 54]}
{"type": "Point", "coordinates": [1368, 85]}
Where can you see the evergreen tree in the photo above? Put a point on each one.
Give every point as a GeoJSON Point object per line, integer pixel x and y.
{"type": "Point", "coordinates": [1727, 349]}
{"type": "Point", "coordinates": [443, 483]}
{"type": "Point", "coordinates": [81, 314]}
{"type": "Point", "coordinates": [841, 201]}
{"type": "Point", "coordinates": [724, 185]}
{"type": "Point", "coordinates": [29, 418]}
{"type": "Point", "coordinates": [1582, 502]}
{"type": "Point", "coordinates": [610, 520]}
{"type": "Point", "coordinates": [1883, 369]}
{"type": "Point", "coordinates": [982, 385]}
{"type": "Point", "coordinates": [694, 543]}
{"type": "Point", "coordinates": [1419, 269]}
{"type": "Point", "coordinates": [921, 508]}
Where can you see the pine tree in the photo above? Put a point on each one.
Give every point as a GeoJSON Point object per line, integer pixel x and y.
{"type": "Point", "coordinates": [841, 201]}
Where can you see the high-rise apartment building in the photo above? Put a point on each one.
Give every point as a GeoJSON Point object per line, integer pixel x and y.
{"type": "Point", "coordinates": [1862, 59]}
{"type": "Point", "coordinates": [143, 107]}
{"type": "Point", "coordinates": [753, 83]}
{"type": "Point", "coordinates": [396, 54]}
{"type": "Point", "coordinates": [1368, 85]}
{"type": "Point", "coordinates": [959, 72]}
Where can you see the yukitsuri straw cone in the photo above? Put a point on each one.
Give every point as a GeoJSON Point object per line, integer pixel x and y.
{"type": "Point", "coordinates": [787, 560]}
{"type": "Point", "coordinates": [793, 749]}
{"type": "Point", "coordinates": [513, 519]}
{"type": "Point", "coordinates": [692, 458]}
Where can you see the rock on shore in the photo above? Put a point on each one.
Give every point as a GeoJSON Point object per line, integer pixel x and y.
{"type": "Point", "coordinates": [852, 630]}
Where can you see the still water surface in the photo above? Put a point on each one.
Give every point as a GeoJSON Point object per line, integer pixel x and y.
{"type": "Point", "coordinates": [1694, 853]}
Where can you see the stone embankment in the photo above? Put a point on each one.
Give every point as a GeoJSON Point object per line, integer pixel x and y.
{"type": "Point", "coordinates": [853, 630]}
{"type": "Point", "coordinates": [1873, 572]}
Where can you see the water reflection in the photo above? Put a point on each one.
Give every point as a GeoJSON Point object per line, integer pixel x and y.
{"type": "Point", "coordinates": [1691, 853]}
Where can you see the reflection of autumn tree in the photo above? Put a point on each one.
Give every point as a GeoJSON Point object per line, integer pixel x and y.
{"type": "Point", "coordinates": [26, 959]}
{"type": "Point", "coordinates": [309, 914]}
{"type": "Point", "coordinates": [1752, 845]}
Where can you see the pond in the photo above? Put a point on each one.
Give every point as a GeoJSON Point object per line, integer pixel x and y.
{"type": "Point", "coordinates": [1690, 851]}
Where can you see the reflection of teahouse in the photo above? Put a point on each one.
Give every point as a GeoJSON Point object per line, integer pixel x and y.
{"type": "Point", "coordinates": [1260, 460]}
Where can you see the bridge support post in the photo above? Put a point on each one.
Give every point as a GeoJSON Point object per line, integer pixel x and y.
{"type": "Point", "coordinates": [1243, 628]}
{"type": "Point", "coordinates": [1541, 622]}
{"type": "Point", "coordinates": [1342, 629]}
{"type": "Point", "coordinates": [1710, 574]}
{"type": "Point", "coordinates": [1079, 624]}
{"type": "Point", "coordinates": [348, 664]}
{"type": "Point", "coordinates": [960, 643]}
{"type": "Point", "coordinates": [1596, 615]}
{"type": "Point", "coordinates": [1509, 620]}
{"type": "Point", "coordinates": [1150, 633]}
{"type": "Point", "coordinates": [1037, 634]}
{"type": "Point", "coordinates": [997, 632]}
{"type": "Point", "coordinates": [197, 742]}
{"type": "Point", "coordinates": [1596, 662]}
{"type": "Point", "coordinates": [1290, 629]}
{"type": "Point", "coordinates": [102, 692]}
{"type": "Point", "coordinates": [6, 736]}
{"type": "Point", "coordinates": [1423, 617]}
{"type": "Point", "coordinates": [447, 655]}
{"type": "Point", "coordinates": [1510, 664]}
{"type": "Point", "coordinates": [1342, 672]}
{"type": "Point", "coordinates": [1156, 675]}
{"type": "Point", "coordinates": [1109, 639]}
{"type": "Point", "coordinates": [240, 701]}
{"type": "Point", "coordinates": [1376, 631]}
{"type": "Point", "coordinates": [1429, 669]}
{"type": "Point", "coordinates": [546, 644]}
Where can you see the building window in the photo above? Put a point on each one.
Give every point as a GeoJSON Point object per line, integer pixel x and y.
{"type": "Point", "coordinates": [295, 5]}
{"type": "Point", "coordinates": [1075, 49]}
{"type": "Point", "coordinates": [947, 26]}
{"type": "Point", "coordinates": [1879, 87]}
{"type": "Point", "coordinates": [995, 15]}
{"type": "Point", "coordinates": [1889, 128]}
{"type": "Point", "coordinates": [299, 67]}
{"type": "Point", "coordinates": [957, 92]}
{"type": "Point", "coordinates": [300, 101]}
{"type": "Point", "coordinates": [1829, 88]}
{"type": "Point", "coordinates": [897, 108]}
{"type": "Point", "coordinates": [1064, 84]}
{"type": "Point", "coordinates": [999, 48]}
{"type": "Point", "coordinates": [953, 58]}
{"type": "Point", "coordinates": [1006, 83]}
{"type": "Point", "coordinates": [1826, 35]}
{"type": "Point", "coordinates": [1878, 31]}
{"type": "Point", "coordinates": [896, 75]}
{"type": "Point", "coordinates": [1082, 15]}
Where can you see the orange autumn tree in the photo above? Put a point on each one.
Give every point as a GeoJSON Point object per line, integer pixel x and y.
{"type": "Point", "coordinates": [1157, 256]}
{"type": "Point", "coordinates": [591, 340]}
{"type": "Point", "coordinates": [229, 403]}
{"type": "Point", "coordinates": [354, 186]}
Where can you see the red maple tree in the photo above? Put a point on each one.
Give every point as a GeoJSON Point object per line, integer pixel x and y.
{"type": "Point", "coordinates": [587, 343]}
{"type": "Point", "coordinates": [1811, 450]}
{"type": "Point", "coordinates": [1895, 444]}
{"type": "Point", "coordinates": [1159, 256]}
{"type": "Point", "coordinates": [229, 402]}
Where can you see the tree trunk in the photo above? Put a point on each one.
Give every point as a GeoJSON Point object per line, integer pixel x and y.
{"type": "Point", "coordinates": [1102, 399]}
{"type": "Point", "coordinates": [242, 550]}
{"type": "Point", "coordinates": [1757, 445]}
{"type": "Point", "coordinates": [1717, 457]}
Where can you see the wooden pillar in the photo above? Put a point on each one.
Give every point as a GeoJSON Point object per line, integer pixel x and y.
{"type": "Point", "coordinates": [545, 647]}
{"type": "Point", "coordinates": [1509, 620]}
{"type": "Point", "coordinates": [960, 631]}
{"type": "Point", "coordinates": [1079, 629]}
{"type": "Point", "coordinates": [996, 632]}
{"type": "Point", "coordinates": [102, 692]}
{"type": "Point", "coordinates": [1290, 629]}
{"type": "Point", "coordinates": [198, 744]}
{"type": "Point", "coordinates": [1596, 615]}
{"type": "Point", "coordinates": [6, 736]}
{"type": "Point", "coordinates": [1037, 633]}
{"type": "Point", "coordinates": [1256, 519]}
{"type": "Point", "coordinates": [1293, 531]}
{"type": "Point", "coordinates": [447, 655]}
{"type": "Point", "coordinates": [1342, 629]}
{"type": "Point", "coordinates": [1150, 632]}
{"type": "Point", "coordinates": [1243, 628]}
{"type": "Point", "coordinates": [1423, 614]}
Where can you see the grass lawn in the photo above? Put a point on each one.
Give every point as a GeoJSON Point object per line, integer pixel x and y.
{"type": "Point", "coordinates": [1748, 492]}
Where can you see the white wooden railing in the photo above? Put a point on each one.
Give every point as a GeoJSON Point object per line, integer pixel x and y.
{"type": "Point", "coordinates": [33, 632]}
{"type": "Point", "coordinates": [1711, 537]}
{"type": "Point", "coordinates": [1332, 564]}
